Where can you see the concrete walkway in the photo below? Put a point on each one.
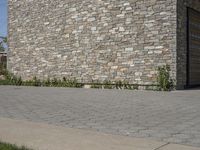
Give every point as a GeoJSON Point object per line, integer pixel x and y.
{"type": "Point", "coordinates": [164, 116]}
{"type": "Point", "coordinates": [47, 137]}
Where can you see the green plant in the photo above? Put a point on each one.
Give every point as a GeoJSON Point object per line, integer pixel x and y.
{"type": "Point", "coordinates": [11, 79]}
{"type": "Point", "coordinates": [119, 85]}
{"type": "Point", "coordinates": [17, 80]}
{"type": "Point", "coordinates": [128, 86]}
{"type": "Point", "coordinates": [54, 82]}
{"type": "Point", "coordinates": [36, 81]}
{"type": "Point", "coordinates": [70, 83]}
{"type": "Point", "coordinates": [6, 146]}
{"type": "Point", "coordinates": [96, 86]}
{"type": "Point", "coordinates": [164, 80]}
{"type": "Point", "coordinates": [3, 44]}
{"type": "Point", "coordinates": [2, 68]}
{"type": "Point", "coordinates": [47, 82]}
{"type": "Point", "coordinates": [114, 85]}
{"type": "Point", "coordinates": [107, 85]}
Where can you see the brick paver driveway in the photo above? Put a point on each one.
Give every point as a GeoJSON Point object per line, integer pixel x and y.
{"type": "Point", "coordinates": [166, 116]}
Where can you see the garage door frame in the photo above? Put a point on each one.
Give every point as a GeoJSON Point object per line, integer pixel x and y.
{"type": "Point", "coordinates": [188, 48]}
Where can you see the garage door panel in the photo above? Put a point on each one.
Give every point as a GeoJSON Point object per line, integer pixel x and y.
{"type": "Point", "coordinates": [194, 47]}
{"type": "Point", "coordinates": [194, 42]}
{"type": "Point", "coordinates": [196, 72]}
{"type": "Point", "coordinates": [194, 54]}
{"type": "Point", "coordinates": [194, 19]}
{"type": "Point", "coordinates": [192, 70]}
{"type": "Point", "coordinates": [195, 30]}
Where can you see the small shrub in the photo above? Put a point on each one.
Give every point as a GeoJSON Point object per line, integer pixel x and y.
{"type": "Point", "coordinates": [11, 79]}
{"type": "Point", "coordinates": [6, 146]}
{"type": "Point", "coordinates": [36, 82]}
{"type": "Point", "coordinates": [128, 86]}
{"type": "Point", "coordinates": [96, 86]}
{"type": "Point", "coordinates": [47, 82]}
{"type": "Point", "coordinates": [2, 68]}
{"type": "Point", "coordinates": [4, 82]}
{"type": "Point", "coordinates": [18, 81]}
{"type": "Point", "coordinates": [115, 85]}
{"type": "Point", "coordinates": [70, 83]}
{"type": "Point", "coordinates": [164, 80]}
{"type": "Point", "coordinates": [54, 82]}
{"type": "Point", "coordinates": [119, 85]}
{"type": "Point", "coordinates": [107, 85]}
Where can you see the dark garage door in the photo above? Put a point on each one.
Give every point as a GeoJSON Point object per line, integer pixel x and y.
{"type": "Point", "coordinates": [193, 47]}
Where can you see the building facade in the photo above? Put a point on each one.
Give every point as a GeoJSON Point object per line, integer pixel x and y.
{"type": "Point", "coordinates": [98, 40]}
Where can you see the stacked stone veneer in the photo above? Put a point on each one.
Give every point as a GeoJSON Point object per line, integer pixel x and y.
{"type": "Point", "coordinates": [92, 39]}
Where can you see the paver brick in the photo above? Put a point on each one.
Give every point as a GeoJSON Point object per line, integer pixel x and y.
{"type": "Point", "coordinates": [165, 116]}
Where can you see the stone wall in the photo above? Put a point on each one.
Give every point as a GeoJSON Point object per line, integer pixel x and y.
{"type": "Point", "coordinates": [182, 6]}
{"type": "Point", "coordinates": [92, 39]}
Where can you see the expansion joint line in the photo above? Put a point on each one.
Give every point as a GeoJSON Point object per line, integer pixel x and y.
{"type": "Point", "coordinates": [162, 146]}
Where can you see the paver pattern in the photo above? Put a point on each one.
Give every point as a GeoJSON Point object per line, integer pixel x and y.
{"type": "Point", "coordinates": [165, 116]}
